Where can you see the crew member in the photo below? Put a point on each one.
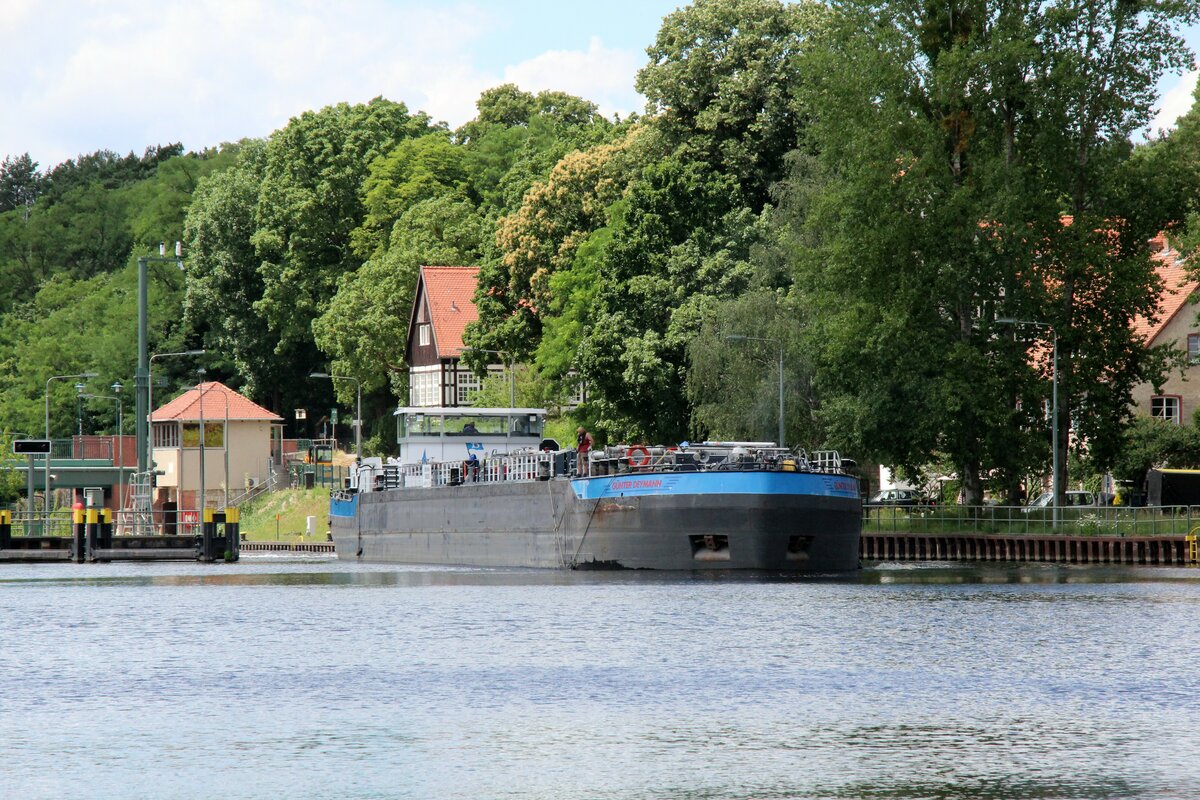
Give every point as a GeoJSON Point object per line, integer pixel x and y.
{"type": "Point", "coordinates": [583, 444]}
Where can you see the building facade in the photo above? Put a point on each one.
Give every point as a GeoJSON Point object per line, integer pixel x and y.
{"type": "Point", "coordinates": [236, 450]}
{"type": "Point", "coordinates": [443, 306]}
{"type": "Point", "coordinates": [1178, 399]}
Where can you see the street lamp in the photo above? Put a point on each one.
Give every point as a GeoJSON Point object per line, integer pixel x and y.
{"type": "Point", "coordinates": [46, 495]}
{"type": "Point", "coordinates": [1054, 476]}
{"type": "Point", "coordinates": [510, 365]}
{"type": "Point", "coordinates": [142, 377]}
{"type": "Point", "coordinates": [201, 372]}
{"type": "Point", "coordinates": [146, 442]}
{"type": "Point", "coordinates": [116, 387]}
{"type": "Point", "coordinates": [79, 407]}
{"type": "Point", "coordinates": [358, 407]}
{"type": "Point", "coordinates": [737, 337]}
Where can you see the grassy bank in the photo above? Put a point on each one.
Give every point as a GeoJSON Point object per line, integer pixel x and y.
{"type": "Point", "coordinates": [282, 515]}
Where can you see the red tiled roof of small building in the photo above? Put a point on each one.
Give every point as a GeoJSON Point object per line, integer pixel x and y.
{"type": "Point", "coordinates": [1178, 286]}
{"type": "Point", "coordinates": [215, 393]}
{"type": "Point", "coordinates": [451, 295]}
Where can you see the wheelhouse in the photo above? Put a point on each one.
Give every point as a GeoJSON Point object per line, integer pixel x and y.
{"type": "Point", "coordinates": [431, 433]}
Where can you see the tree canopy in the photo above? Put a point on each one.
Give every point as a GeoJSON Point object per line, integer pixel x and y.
{"type": "Point", "coordinates": [868, 190]}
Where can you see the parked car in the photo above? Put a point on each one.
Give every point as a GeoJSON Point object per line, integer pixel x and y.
{"type": "Point", "coordinates": [1070, 498]}
{"type": "Point", "coordinates": [897, 497]}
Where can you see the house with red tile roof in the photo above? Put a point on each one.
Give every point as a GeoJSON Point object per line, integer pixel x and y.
{"type": "Point", "coordinates": [237, 442]}
{"type": "Point", "coordinates": [1179, 397]}
{"type": "Point", "coordinates": [443, 306]}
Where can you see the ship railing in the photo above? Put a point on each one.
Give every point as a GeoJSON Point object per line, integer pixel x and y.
{"type": "Point", "coordinates": [532, 465]}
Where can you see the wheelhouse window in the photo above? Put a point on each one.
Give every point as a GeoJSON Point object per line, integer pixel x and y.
{"type": "Point", "coordinates": [1166, 407]}
{"type": "Point", "coordinates": [421, 425]}
{"type": "Point", "coordinates": [474, 426]}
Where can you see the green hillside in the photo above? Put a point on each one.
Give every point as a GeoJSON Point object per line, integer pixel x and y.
{"type": "Point", "coordinates": [282, 515]}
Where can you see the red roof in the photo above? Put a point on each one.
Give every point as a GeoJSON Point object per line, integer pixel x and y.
{"type": "Point", "coordinates": [1177, 288]}
{"type": "Point", "coordinates": [450, 292]}
{"type": "Point", "coordinates": [216, 395]}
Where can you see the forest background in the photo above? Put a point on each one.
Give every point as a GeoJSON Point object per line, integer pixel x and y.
{"type": "Point", "coordinates": [861, 189]}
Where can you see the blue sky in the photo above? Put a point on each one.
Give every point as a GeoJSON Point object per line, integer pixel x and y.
{"type": "Point", "coordinates": [125, 74]}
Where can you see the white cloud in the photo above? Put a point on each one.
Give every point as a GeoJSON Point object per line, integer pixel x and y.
{"type": "Point", "coordinates": [1176, 102]}
{"type": "Point", "coordinates": [125, 74]}
{"type": "Point", "coordinates": [602, 75]}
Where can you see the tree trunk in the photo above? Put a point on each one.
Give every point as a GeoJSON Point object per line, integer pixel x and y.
{"type": "Point", "coordinates": [972, 485]}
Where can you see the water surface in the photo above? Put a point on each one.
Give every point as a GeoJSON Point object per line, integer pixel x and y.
{"type": "Point", "coordinates": [277, 678]}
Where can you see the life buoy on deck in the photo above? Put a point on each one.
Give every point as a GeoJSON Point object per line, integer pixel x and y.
{"type": "Point", "coordinates": [637, 448]}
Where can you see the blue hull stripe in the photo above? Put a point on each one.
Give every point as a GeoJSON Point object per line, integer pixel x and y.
{"type": "Point", "coordinates": [686, 483]}
{"type": "Point", "coordinates": [343, 508]}
{"type": "Point", "coordinates": [717, 482]}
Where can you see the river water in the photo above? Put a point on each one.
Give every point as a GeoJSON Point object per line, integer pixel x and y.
{"type": "Point", "coordinates": [278, 678]}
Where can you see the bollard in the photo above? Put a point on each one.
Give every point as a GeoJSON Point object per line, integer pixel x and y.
{"type": "Point", "coordinates": [91, 533]}
{"type": "Point", "coordinates": [106, 528]}
{"type": "Point", "coordinates": [206, 536]}
{"type": "Point", "coordinates": [232, 535]}
{"type": "Point", "coordinates": [77, 535]}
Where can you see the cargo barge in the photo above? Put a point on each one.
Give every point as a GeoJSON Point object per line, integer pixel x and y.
{"type": "Point", "coordinates": [481, 487]}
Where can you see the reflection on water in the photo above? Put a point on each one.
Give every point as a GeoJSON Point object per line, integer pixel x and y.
{"type": "Point", "coordinates": [318, 678]}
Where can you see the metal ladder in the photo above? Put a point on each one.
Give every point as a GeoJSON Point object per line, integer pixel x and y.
{"type": "Point", "coordinates": [140, 503]}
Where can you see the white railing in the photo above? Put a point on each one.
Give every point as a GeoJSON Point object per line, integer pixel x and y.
{"type": "Point", "coordinates": [528, 466]}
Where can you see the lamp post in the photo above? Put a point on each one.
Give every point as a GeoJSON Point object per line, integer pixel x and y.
{"type": "Point", "coordinates": [142, 378]}
{"type": "Point", "coordinates": [510, 366]}
{"type": "Point", "coordinates": [12, 435]}
{"type": "Point", "coordinates": [145, 442]}
{"type": "Point", "coordinates": [1054, 475]}
{"type": "Point", "coordinates": [46, 496]}
{"type": "Point", "coordinates": [79, 408]}
{"type": "Point", "coordinates": [225, 448]}
{"type": "Point", "coordinates": [357, 408]}
{"type": "Point", "coordinates": [737, 337]}
{"type": "Point", "coordinates": [201, 371]}
{"type": "Point", "coordinates": [116, 387]}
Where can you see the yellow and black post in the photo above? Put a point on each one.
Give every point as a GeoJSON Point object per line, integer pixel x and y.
{"type": "Point", "coordinates": [233, 536]}
{"type": "Point", "coordinates": [78, 527]}
{"type": "Point", "coordinates": [92, 532]}
{"type": "Point", "coordinates": [207, 533]}
{"type": "Point", "coordinates": [104, 535]}
{"type": "Point", "coordinates": [5, 529]}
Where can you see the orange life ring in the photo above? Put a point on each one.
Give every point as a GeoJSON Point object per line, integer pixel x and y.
{"type": "Point", "coordinates": [645, 455]}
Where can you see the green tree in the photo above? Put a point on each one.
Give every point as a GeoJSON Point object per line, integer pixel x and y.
{"type": "Point", "coordinates": [949, 148]}
{"type": "Point", "coordinates": [365, 327]}
{"type": "Point", "coordinates": [20, 182]}
{"type": "Point", "coordinates": [223, 277]}
{"type": "Point", "coordinates": [721, 85]}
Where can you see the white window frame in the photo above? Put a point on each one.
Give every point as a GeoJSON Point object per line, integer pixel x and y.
{"type": "Point", "coordinates": [1193, 348]}
{"type": "Point", "coordinates": [466, 385]}
{"type": "Point", "coordinates": [423, 335]}
{"type": "Point", "coordinates": [425, 386]}
{"type": "Point", "coordinates": [1168, 407]}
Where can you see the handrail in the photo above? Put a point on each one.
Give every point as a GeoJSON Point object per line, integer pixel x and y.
{"type": "Point", "coordinates": [1026, 521]}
